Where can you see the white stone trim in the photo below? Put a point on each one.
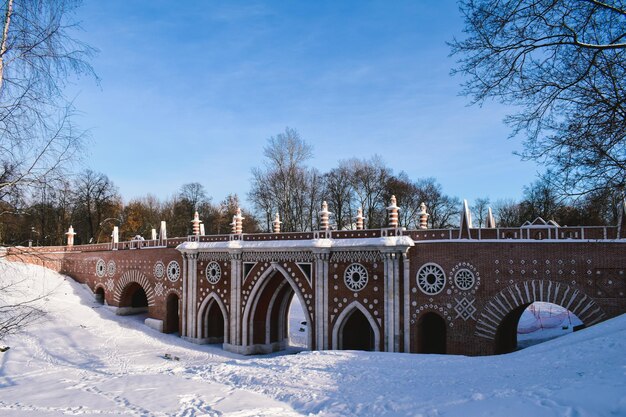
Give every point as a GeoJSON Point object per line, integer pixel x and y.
{"type": "Point", "coordinates": [407, 301]}
{"type": "Point", "coordinates": [347, 311]}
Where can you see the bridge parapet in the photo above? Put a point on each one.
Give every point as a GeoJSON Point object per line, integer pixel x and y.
{"type": "Point", "coordinates": [581, 233]}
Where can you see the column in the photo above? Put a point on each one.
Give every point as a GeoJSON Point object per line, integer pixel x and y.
{"type": "Point", "coordinates": [193, 294]}
{"type": "Point", "coordinates": [396, 301]}
{"type": "Point", "coordinates": [325, 267]}
{"type": "Point", "coordinates": [235, 298]}
{"type": "Point", "coordinates": [407, 301]}
{"type": "Point", "coordinates": [389, 302]}
{"type": "Point", "coordinates": [320, 286]}
{"type": "Point", "coordinates": [185, 298]}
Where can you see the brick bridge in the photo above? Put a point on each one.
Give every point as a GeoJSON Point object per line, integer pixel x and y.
{"type": "Point", "coordinates": [457, 291]}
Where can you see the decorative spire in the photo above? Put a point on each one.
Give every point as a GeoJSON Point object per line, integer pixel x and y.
{"type": "Point", "coordinates": [359, 219]}
{"type": "Point", "coordinates": [423, 216]}
{"type": "Point", "coordinates": [116, 234]}
{"type": "Point", "coordinates": [277, 223]}
{"type": "Point", "coordinates": [70, 236]}
{"type": "Point", "coordinates": [196, 223]}
{"type": "Point", "coordinates": [324, 217]}
{"type": "Point", "coordinates": [392, 211]}
{"type": "Point", "coordinates": [491, 222]}
{"type": "Point", "coordinates": [466, 222]}
{"type": "Point", "coordinates": [163, 231]}
{"type": "Point", "coordinates": [238, 222]}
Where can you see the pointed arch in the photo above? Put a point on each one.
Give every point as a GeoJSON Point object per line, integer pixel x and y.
{"type": "Point", "coordinates": [524, 293]}
{"type": "Point", "coordinates": [253, 299]}
{"type": "Point", "coordinates": [206, 304]}
{"type": "Point", "coordinates": [342, 318]}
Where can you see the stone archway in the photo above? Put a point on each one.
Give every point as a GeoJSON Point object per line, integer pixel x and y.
{"type": "Point", "coordinates": [498, 320]}
{"type": "Point", "coordinates": [172, 314]}
{"type": "Point", "coordinates": [265, 317]}
{"type": "Point", "coordinates": [133, 293]}
{"type": "Point", "coordinates": [99, 294]}
{"type": "Point", "coordinates": [431, 333]}
{"type": "Point", "coordinates": [213, 320]}
{"type": "Point", "coordinates": [133, 300]}
{"type": "Point", "coordinates": [356, 329]}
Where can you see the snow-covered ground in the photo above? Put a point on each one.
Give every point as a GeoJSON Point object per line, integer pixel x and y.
{"type": "Point", "coordinates": [542, 321]}
{"type": "Point", "coordinates": [82, 359]}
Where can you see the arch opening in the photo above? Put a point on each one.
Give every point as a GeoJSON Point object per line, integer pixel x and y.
{"type": "Point", "coordinates": [99, 295]}
{"type": "Point", "coordinates": [213, 323]}
{"type": "Point", "coordinates": [533, 323]}
{"type": "Point", "coordinates": [133, 300]}
{"type": "Point", "coordinates": [172, 315]}
{"type": "Point", "coordinates": [298, 324]}
{"type": "Point", "coordinates": [267, 314]}
{"type": "Point", "coordinates": [431, 334]}
{"type": "Point", "coordinates": [356, 333]}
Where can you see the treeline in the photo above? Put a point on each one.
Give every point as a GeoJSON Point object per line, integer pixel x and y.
{"type": "Point", "coordinates": [288, 186]}
{"type": "Point", "coordinates": [93, 205]}
{"type": "Point", "coordinates": [285, 184]}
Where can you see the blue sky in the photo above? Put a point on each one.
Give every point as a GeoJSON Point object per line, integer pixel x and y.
{"type": "Point", "coordinates": [190, 91]}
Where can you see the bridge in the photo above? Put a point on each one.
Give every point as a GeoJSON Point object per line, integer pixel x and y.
{"type": "Point", "coordinates": [458, 291]}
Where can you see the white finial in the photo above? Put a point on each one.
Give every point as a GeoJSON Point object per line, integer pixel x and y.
{"type": "Point", "coordinates": [324, 217]}
{"type": "Point", "coordinates": [423, 215]}
{"type": "Point", "coordinates": [277, 223]}
{"type": "Point", "coordinates": [196, 223]}
{"type": "Point", "coordinates": [70, 236]}
{"type": "Point", "coordinates": [238, 222]}
{"type": "Point", "coordinates": [359, 219]}
{"type": "Point", "coordinates": [392, 211]}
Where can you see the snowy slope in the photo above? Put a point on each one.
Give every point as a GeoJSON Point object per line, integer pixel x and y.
{"type": "Point", "coordinates": [85, 360]}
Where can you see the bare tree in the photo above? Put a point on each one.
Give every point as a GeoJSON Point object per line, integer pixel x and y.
{"type": "Point", "coordinates": [18, 308]}
{"type": "Point", "coordinates": [96, 201]}
{"type": "Point", "coordinates": [479, 210]}
{"type": "Point", "coordinates": [286, 185]}
{"type": "Point", "coordinates": [541, 200]}
{"type": "Point", "coordinates": [443, 209]}
{"type": "Point", "coordinates": [38, 56]}
{"type": "Point", "coordinates": [508, 213]}
{"type": "Point", "coordinates": [408, 197]}
{"type": "Point", "coordinates": [369, 179]}
{"type": "Point", "coordinates": [195, 194]}
{"type": "Point", "coordinates": [339, 195]}
{"type": "Point", "coordinates": [562, 64]}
